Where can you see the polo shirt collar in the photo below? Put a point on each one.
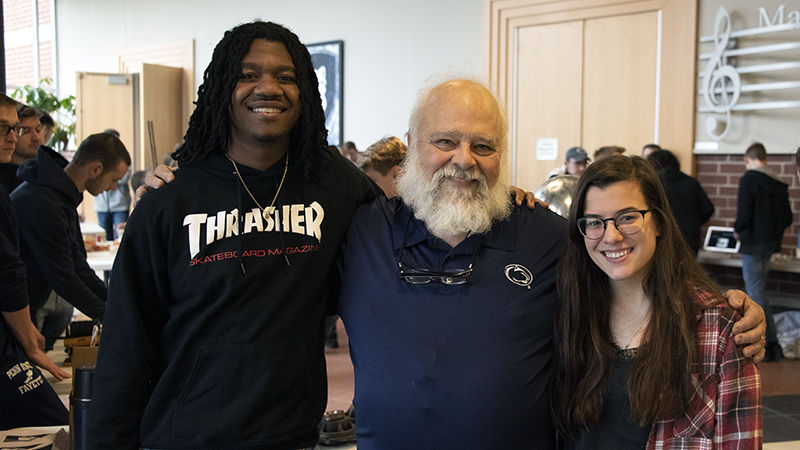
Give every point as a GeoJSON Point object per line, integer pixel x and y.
{"type": "Point", "coordinates": [502, 236]}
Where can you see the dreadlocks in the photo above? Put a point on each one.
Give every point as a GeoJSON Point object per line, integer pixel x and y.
{"type": "Point", "coordinates": [209, 126]}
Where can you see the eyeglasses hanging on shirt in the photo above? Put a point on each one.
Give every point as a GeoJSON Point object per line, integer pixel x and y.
{"type": "Point", "coordinates": [450, 277]}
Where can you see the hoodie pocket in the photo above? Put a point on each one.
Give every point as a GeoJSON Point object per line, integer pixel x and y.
{"type": "Point", "coordinates": [245, 392]}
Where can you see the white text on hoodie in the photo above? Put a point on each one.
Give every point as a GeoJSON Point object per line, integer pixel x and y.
{"type": "Point", "coordinates": [297, 218]}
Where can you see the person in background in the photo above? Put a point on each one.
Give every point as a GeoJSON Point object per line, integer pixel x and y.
{"type": "Point", "coordinates": [113, 207]}
{"type": "Point", "coordinates": [649, 149]}
{"type": "Point", "coordinates": [609, 150]}
{"type": "Point", "coordinates": [350, 152]}
{"type": "Point", "coordinates": [47, 126]}
{"type": "Point", "coordinates": [797, 167]}
{"type": "Point", "coordinates": [29, 138]}
{"type": "Point", "coordinates": [51, 241]}
{"type": "Point", "coordinates": [55, 313]}
{"type": "Point", "coordinates": [381, 162]}
{"type": "Point", "coordinates": [27, 399]}
{"type": "Point", "coordinates": [690, 205]}
{"type": "Point", "coordinates": [574, 163]}
{"type": "Point", "coordinates": [645, 351]}
{"type": "Point", "coordinates": [797, 161]}
{"type": "Point", "coordinates": [762, 215]}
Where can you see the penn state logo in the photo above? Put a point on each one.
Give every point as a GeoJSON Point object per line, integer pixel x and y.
{"type": "Point", "coordinates": [519, 275]}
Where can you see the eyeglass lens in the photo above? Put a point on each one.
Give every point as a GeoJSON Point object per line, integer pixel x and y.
{"type": "Point", "coordinates": [5, 129]}
{"type": "Point", "coordinates": [22, 131]}
{"type": "Point", "coordinates": [629, 222]}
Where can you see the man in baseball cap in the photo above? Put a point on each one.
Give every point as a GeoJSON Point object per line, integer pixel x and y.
{"type": "Point", "coordinates": [574, 164]}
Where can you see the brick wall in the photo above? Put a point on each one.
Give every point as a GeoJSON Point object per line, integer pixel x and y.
{"type": "Point", "coordinates": [44, 12]}
{"type": "Point", "coordinates": [18, 18]}
{"type": "Point", "coordinates": [731, 277]}
{"type": "Point", "coordinates": [719, 175]}
{"type": "Point", "coordinates": [19, 66]}
{"type": "Point", "coordinates": [45, 59]}
{"type": "Point", "coordinates": [17, 14]}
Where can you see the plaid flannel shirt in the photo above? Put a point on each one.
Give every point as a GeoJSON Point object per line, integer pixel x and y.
{"type": "Point", "coordinates": [724, 411]}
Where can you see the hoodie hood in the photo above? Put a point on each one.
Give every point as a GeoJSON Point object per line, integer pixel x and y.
{"type": "Point", "coordinates": [48, 170]}
{"type": "Point", "coordinates": [768, 172]}
{"type": "Point", "coordinates": [669, 173]}
{"type": "Point", "coordinates": [775, 186]}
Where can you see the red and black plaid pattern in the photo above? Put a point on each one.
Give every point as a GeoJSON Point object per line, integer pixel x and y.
{"type": "Point", "coordinates": [725, 409]}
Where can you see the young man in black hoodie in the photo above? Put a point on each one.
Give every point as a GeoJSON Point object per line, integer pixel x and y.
{"type": "Point", "coordinates": [45, 204]}
{"type": "Point", "coordinates": [27, 399]}
{"type": "Point", "coordinates": [690, 205]}
{"type": "Point", "coordinates": [213, 335]}
{"type": "Point", "coordinates": [762, 215]}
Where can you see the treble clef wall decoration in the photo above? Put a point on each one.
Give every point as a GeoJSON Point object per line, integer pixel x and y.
{"type": "Point", "coordinates": [721, 82]}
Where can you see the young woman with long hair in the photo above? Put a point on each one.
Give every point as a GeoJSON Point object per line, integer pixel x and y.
{"type": "Point", "coordinates": [645, 357]}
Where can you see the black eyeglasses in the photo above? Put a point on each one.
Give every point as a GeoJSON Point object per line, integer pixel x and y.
{"type": "Point", "coordinates": [449, 277]}
{"type": "Point", "coordinates": [628, 222]}
{"type": "Point", "coordinates": [425, 276]}
{"type": "Point", "coordinates": [5, 129]}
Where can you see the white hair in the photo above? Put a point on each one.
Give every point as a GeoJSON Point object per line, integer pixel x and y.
{"type": "Point", "coordinates": [437, 80]}
{"type": "Point", "coordinates": [448, 210]}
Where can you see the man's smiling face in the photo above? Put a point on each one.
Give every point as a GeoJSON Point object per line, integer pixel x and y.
{"type": "Point", "coordinates": [265, 104]}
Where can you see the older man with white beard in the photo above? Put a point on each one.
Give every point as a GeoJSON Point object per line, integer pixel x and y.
{"type": "Point", "coordinates": [449, 315]}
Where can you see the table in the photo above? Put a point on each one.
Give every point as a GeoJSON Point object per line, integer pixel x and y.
{"type": "Point", "coordinates": [101, 261]}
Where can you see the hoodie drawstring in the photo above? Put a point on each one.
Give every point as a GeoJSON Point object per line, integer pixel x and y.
{"type": "Point", "coordinates": [240, 223]}
{"type": "Point", "coordinates": [283, 246]}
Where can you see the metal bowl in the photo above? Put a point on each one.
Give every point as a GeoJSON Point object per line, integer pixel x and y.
{"type": "Point", "coordinates": [557, 191]}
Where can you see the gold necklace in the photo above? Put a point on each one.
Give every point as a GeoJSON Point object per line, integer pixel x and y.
{"type": "Point", "coordinates": [263, 211]}
{"type": "Point", "coordinates": [636, 333]}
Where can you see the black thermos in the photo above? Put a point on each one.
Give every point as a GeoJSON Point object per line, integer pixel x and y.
{"type": "Point", "coordinates": [79, 401]}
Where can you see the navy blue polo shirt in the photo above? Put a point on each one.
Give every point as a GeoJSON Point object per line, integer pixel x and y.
{"type": "Point", "coordinates": [451, 366]}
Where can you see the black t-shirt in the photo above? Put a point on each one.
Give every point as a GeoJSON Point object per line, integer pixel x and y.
{"type": "Point", "coordinates": [8, 176]}
{"type": "Point", "coordinates": [617, 430]}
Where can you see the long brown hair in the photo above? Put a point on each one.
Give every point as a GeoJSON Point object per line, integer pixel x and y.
{"type": "Point", "coordinates": [659, 385]}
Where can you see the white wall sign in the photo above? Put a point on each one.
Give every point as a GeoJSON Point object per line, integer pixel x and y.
{"type": "Point", "coordinates": [547, 149]}
{"type": "Point", "coordinates": [777, 19]}
{"type": "Point", "coordinates": [722, 86]}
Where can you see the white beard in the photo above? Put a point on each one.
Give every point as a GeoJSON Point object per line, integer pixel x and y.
{"type": "Point", "coordinates": [448, 209]}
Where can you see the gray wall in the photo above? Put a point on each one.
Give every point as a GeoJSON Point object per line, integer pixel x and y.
{"type": "Point", "coordinates": [391, 48]}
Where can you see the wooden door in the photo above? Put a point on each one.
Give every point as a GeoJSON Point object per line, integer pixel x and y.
{"type": "Point", "coordinates": [107, 100]}
{"type": "Point", "coordinates": [593, 73]}
{"type": "Point", "coordinates": [550, 67]}
{"type": "Point", "coordinates": [161, 104]}
{"type": "Point", "coordinates": [103, 101]}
